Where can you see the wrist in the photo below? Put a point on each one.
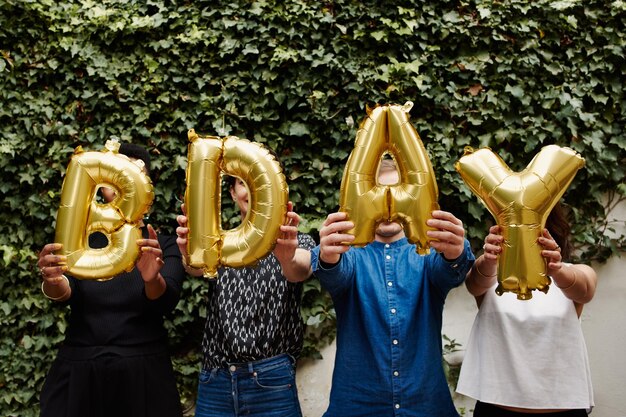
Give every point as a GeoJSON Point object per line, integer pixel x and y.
{"type": "Point", "coordinates": [156, 280]}
{"type": "Point", "coordinates": [482, 279]}
{"type": "Point", "coordinates": [328, 265]}
{"type": "Point", "coordinates": [567, 285]}
{"type": "Point", "coordinates": [191, 270]}
{"type": "Point", "coordinates": [61, 297]}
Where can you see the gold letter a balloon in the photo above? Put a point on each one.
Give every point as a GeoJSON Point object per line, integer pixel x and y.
{"type": "Point", "coordinates": [387, 129]}
{"type": "Point", "coordinates": [520, 203]}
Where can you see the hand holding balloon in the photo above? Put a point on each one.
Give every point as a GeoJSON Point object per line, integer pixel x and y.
{"type": "Point", "coordinates": [334, 239]}
{"type": "Point", "coordinates": [287, 243]}
{"type": "Point", "coordinates": [448, 236]}
{"type": "Point", "coordinates": [551, 252]}
{"type": "Point", "coordinates": [150, 262]}
{"type": "Point", "coordinates": [55, 285]}
{"type": "Point", "coordinates": [182, 232]}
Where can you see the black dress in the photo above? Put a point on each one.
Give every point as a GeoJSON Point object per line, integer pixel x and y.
{"type": "Point", "coordinates": [115, 360]}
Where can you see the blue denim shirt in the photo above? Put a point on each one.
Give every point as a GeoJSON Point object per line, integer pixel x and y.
{"type": "Point", "coordinates": [389, 303]}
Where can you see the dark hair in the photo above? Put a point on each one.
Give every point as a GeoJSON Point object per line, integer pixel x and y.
{"type": "Point", "coordinates": [230, 180]}
{"type": "Point", "coordinates": [136, 151]}
{"type": "Point", "coordinates": [560, 229]}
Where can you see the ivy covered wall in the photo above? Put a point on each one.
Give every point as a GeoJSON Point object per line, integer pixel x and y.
{"type": "Point", "coordinates": [297, 76]}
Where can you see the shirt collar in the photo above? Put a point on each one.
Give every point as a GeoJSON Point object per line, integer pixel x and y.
{"type": "Point", "coordinates": [400, 242]}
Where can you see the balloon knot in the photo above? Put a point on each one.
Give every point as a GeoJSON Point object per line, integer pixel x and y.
{"type": "Point", "coordinates": [112, 145]}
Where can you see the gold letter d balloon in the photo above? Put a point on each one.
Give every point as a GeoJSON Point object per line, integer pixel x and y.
{"type": "Point", "coordinates": [80, 215]}
{"type": "Point", "coordinates": [208, 245]}
{"type": "Point", "coordinates": [520, 203]}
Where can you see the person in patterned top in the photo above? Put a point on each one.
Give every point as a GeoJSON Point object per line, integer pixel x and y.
{"type": "Point", "coordinates": [254, 331]}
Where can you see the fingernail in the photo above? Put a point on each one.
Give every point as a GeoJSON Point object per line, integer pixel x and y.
{"type": "Point", "coordinates": [64, 268]}
{"type": "Point", "coordinates": [145, 248]}
{"type": "Point", "coordinates": [140, 241]}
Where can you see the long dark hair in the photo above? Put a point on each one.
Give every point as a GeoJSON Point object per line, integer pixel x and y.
{"type": "Point", "coordinates": [560, 229]}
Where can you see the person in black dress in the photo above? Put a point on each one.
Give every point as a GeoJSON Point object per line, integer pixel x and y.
{"type": "Point", "coordinates": [115, 360]}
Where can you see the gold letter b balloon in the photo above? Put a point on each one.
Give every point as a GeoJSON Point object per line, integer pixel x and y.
{"type": "Point", "coordinates": [387, 129]}
{"type": "Point", "coordinates": [80, 215]}
{"type": "Point", "coordinates": [520, 203]}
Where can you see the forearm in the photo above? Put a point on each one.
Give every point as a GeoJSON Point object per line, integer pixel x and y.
{"type": "Point", "coordinates": [299, 268]}
{"type": "Point", "coordinates": [155, 288]}
{"type": "Point", "coordinates": [481, 276]}
{"type": "Point", "coordinates": [578, 282]}
{"type": "Point", "coordinates": [57, 292]}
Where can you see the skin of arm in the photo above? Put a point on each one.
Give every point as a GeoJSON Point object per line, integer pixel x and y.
{"type": "Point", "coordinates": [577, 281]}
{"type": "Point", "coordinates": [52, 267]}
{"type": "Point", "coordinates": [181, 232]}
{"type": "Point", "coordinates": [295, 261]}
{"type": "Point", "coordinates": [449, 238]}
{"type": "Point", "coordinates": [150, 263]}
{"type": "Point", "coordinates": [332, 235]}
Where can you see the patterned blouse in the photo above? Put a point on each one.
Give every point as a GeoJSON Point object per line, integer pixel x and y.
{"type": "Point", "coordinates": [253, 313]}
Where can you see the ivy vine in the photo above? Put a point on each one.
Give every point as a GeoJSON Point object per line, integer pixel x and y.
{"type": "Point", "coordinates": [295, 75]}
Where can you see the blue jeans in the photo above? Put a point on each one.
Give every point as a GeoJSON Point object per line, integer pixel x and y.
{"type": "Point", "coordinates": [265, 388]}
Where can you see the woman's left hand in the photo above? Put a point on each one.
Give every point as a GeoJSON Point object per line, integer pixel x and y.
{"type": "Point", "coordinates": [287, 242]}
{"type": "Point", "coordinates": [150, 259]}
{"type": "Point", "coordinates": [551, 251]}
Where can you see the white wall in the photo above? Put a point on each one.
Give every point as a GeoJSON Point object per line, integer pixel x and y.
{"type": "Point", "coordinates": [604, 326]}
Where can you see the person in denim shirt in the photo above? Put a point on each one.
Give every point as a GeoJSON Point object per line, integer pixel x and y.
{"type": "Point", "coordinates": [389, 303]}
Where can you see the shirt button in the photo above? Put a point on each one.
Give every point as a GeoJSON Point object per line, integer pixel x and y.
{"type": "Point", "coordinates": [232, 368]}
{"type": "Point", "coordinates": [455, 266]}
{"type": "Point", "coordinates": [395, 341]}
{"type": "Point", "coordinates": [387, 245]}
{"type": "Point", "coordinates": [396, 373]}
{"type": "Point", "coordinates": [390, 284]}
{"type": "Point", "coordinates": [388, 257]}
{"type": "Point", "coordinates": [393, 311]}
{"type": "Point", "coordinates": [397, 406]}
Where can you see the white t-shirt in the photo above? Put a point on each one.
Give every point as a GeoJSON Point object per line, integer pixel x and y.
{"type": "Point", "coordinates": [527, 353]}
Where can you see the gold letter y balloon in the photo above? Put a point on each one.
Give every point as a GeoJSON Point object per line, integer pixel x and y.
{"type": "Point", "coordinates": [387, 129]}
{"type": "Point", "coordinates": [520, 203]}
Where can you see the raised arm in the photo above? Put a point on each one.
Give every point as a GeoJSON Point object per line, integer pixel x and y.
{"type": "Point", "coordinates": [577, 281]}
{"type": "Point", "coordinates": [149, 264]}
{"type": "Point", "coordinates": [294, 260]}
{"type": "Point", "coordinates": [55, 285]}
{"type": "Point", "coordinates": [483, 274]}
{"type": "Point", "coordinates": [332, 235]}
{"type": "Point", "coordinates": [181, 240]}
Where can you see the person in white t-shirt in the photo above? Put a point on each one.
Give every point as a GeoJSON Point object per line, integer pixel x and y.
{"type": "Point", "coordinates": [529, 357]}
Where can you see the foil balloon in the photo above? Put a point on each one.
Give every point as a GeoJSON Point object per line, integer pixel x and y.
{"type": "Point", "coordinates": [520, 202]}
{"type": "Point", "coordinates": [387, 130]}
{"type": "Point", "coordinates": [208, 245]}
{"type": "Point", "coordinates": [80, 214]}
